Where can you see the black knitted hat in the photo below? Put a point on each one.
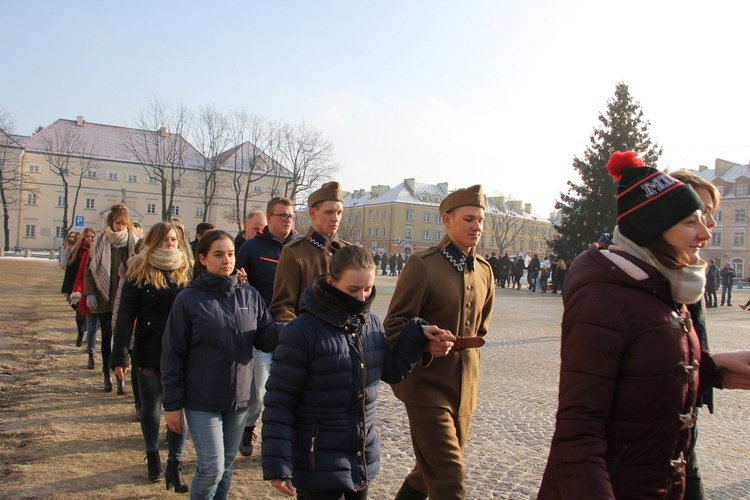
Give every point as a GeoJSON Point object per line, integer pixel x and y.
{"type": "Point", "coordinates": [648, 201]}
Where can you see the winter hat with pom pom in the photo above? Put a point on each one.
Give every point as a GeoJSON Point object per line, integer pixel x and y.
{"type": "Point", "coordinates": [648, 201]}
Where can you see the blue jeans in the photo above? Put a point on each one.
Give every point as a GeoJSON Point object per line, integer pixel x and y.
{"type": "Point", "coordinates": [149, 384]}
{"type": "Point", "coordinates": [216, 437]}
{"type": "Point", "coordinates": [261, 369]}
{"type": "Point", "coordinates": [92, 325]}
{"type": "Point", "coordinates": [724, 290]}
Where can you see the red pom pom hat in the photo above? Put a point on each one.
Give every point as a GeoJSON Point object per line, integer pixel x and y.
{"type": "Point", "coordinates": [648, 201]}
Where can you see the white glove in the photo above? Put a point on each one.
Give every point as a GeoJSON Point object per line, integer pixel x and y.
{"type": "Point", "coordinates": [91, 301]}
{"type": "Point", "coordinates": [74, 298]}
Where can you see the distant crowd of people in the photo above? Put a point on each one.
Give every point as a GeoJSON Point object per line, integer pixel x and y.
{"type": "Point", "coordinates": [276, 326]}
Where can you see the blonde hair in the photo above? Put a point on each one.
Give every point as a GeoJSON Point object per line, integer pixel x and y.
{"type": "Point", "coordinates": [143, 272]}
{"type": "Point", "coordinates": [77, 246]}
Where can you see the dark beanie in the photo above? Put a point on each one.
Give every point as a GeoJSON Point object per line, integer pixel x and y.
{"type": "Point", "coordinates": [648, 201]}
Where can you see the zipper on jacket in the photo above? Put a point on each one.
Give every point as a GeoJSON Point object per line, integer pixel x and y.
{"type": "Point", "coordinates": [616, 461]}
{"type": "Point", "coordinates": [316, 429]}
{"type": "Point", "coordinates": [364, 404]}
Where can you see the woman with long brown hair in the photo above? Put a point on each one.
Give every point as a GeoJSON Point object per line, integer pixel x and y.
{"type": "Point", "coordinates": [154, 277]}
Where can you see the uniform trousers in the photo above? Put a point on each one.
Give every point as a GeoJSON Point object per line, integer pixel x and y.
{"type": "Point", "coordinates": [438, 437]}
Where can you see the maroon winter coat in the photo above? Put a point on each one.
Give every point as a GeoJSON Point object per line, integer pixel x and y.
{"type": "Point", "coordinates": [625, 381]}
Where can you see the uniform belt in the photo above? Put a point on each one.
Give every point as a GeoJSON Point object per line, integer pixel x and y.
{"type": "Point", "coordinates": [467, 343]}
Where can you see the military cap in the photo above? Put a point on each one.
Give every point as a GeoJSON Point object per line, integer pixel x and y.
{"type": "Point", "coordinates": [330, 191]}
{"type": "Point", "coordinates": [470, 196]}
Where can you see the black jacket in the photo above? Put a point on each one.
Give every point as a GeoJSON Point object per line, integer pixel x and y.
{"type": "Point", "coordinates": [150, 307]}
{"type": "Point", "coordinates": [259, 257]}
{"type": "Point", "coordinates": [318, 422]}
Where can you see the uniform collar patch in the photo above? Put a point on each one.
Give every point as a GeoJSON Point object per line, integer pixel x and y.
{"type": "Point", "coordinates": [318, 240]}
{"type": "Point", "coordinates": [457, 258]}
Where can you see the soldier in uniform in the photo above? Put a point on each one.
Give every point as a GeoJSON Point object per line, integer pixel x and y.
{"type": "Point", "coordinates": [452, 287]}
{"type": "Point", "coordinates": [305, 258]}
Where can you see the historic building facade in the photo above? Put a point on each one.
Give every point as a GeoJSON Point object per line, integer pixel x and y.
{"type": "Point", "coordinates": [103, 165]}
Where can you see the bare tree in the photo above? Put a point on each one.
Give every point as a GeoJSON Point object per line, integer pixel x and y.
{"type": "Point", "coordinates": [11, 176]}
{"type": "Point", "coordinates": [351, 225]}
{"type": "Point", "coordinates": [247, 161]}
{"type": "Point", "coordinates": [159, 146]}
{"type": "Point", "coordinates": [70, 158]}
{"type": "Point", "coordinates": [307, 155]}
{"type": "Point", "coordinates": [211, 137]}
{"type": "Point", "coordinates": [508, 224]}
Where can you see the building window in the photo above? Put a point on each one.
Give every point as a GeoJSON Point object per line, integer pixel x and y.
{"type": "Point", "coordinates": [59, 232]}
{"type": "Point", "coordinates": [92, 174]}
{"type": "Point", "coordinates": [740, 190]}
{"type": "Point", "coordinates": [132, 178]}
{"type": "Point", "coordinates": [721, 190]}
{"type": "Point", "coordinates": [60, 201]}
{"type": "Point", "coordinates": [385, 214]}
{"type": "Point", "coordinates": [90, 203]}
{"type": "Point", "coordinates": [175, 210]}
{"type": "Point", "coordinates": [426, 234]}
{"type": "Point", "coordinates": [377, 215]}
{"type": "Point", "coordinates": [151, 208]}
{"type": "Point", "coordinates": [739, 215]}
{"type": "Point", "coordinates": [409, 215]}
{"type": "Point", "coordinates": [30, 231]}
{"type": "Point", "coordinates": [200, 212]}
{"type": "Point", "coordinates": [384, 235]}
{"type": "Point", "coordinates": [716, 240]}
{"type": "Point", "coordinates": [377, 232]}
{"type": "Point", "coordinates": [34, 169]}
{"type": "Point", "coordinates": [437, 236]}
{"type": "Point", "coordinates": [407, 234]}
{"type": "Point", "coordinates": [369, 232]}
{"type": "Point", "coordinates": [113, 176]}
{"type": "Point", "coordinates": [739, 239]}
{"type": "Point", "coordinates": [153, 180]}
{"type": "Point", "coordinates": [371, 215]}
{"type": "Point", "coordinates": [31, 199]}
{"type": "Point", "coordinates": [200, 184]}
{"type": "Point", "coordinates": [717, 216]}
{"type": "Point", "coordinates": [427, 216]}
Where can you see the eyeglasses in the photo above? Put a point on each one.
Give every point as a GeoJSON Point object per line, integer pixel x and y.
{"type": "Point", "coordinates": [284, 217]}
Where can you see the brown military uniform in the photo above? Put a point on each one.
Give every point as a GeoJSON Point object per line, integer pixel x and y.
{"type": "Point", "coordinates": [443, 291]}
{"type": "Point", "coordinates": [301, 261]}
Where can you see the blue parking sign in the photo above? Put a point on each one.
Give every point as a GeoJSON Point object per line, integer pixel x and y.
{"type": "Point", "coordinates": [78, 221]}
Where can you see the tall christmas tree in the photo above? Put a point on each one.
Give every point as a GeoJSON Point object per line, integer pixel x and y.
{"type": "Point", "coordinates": [589, 209]}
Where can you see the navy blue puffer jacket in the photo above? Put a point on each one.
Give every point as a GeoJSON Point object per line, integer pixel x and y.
{"type": "Point", "coordinates": [318, 422]}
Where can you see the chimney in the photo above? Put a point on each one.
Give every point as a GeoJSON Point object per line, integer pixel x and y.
{"type": "Point", "coordinates": [702, 168]}
{"type": "Point", "coordinates": [527, 208]}
{"type": "Point", "coordinates": [163, 131]}
{"type": "Point", "coordinates": [443, 187]}
{"type": "Point", "coordinates": [722, 166]}
{"type": "Point", "coordinates": [410, 184]}
{"type": "Point", "coordinates": [79, 121]}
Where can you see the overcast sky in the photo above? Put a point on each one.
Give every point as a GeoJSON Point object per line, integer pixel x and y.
{"type": "Point", "coordinates": [502, 93]}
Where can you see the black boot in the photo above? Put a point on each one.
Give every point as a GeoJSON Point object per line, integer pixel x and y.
{"type": "Point", "coordinates": [79, 338]}
{"type": "Point", "coordinates": [121, 387]}
{"type": "Point", "coordinates": [154, 466]}
{"type": "Point", "coordinates": [107, 381]}
{"type": "Point", "coordinates": [247, 441]}
{"type": "Point", "coordinates": [173, 477]}
{"type": "Point", "coordinates": [408, 493]}
{"type": "Point", "coordinates": [91, 363]}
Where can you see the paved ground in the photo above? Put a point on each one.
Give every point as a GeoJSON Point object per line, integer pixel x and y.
{"type": "Point", "coordinates": [49, 432]}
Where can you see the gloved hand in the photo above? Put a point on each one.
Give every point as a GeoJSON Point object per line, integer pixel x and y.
{"type": "Point", "coordinates": [91, 301]}
{"type": "Point", "coordinates": [74, 298]}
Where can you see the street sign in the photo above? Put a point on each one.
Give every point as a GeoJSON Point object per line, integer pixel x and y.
{"type": "Point", "coordinates": [78, 221]}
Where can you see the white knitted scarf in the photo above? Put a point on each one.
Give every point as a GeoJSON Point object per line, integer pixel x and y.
{"type": "Point", "coordinates": [168, 259]}
{"type": "Point", "coordinates": [101, 256]}
{"type": "Point", "coordinates": [686, 283]}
